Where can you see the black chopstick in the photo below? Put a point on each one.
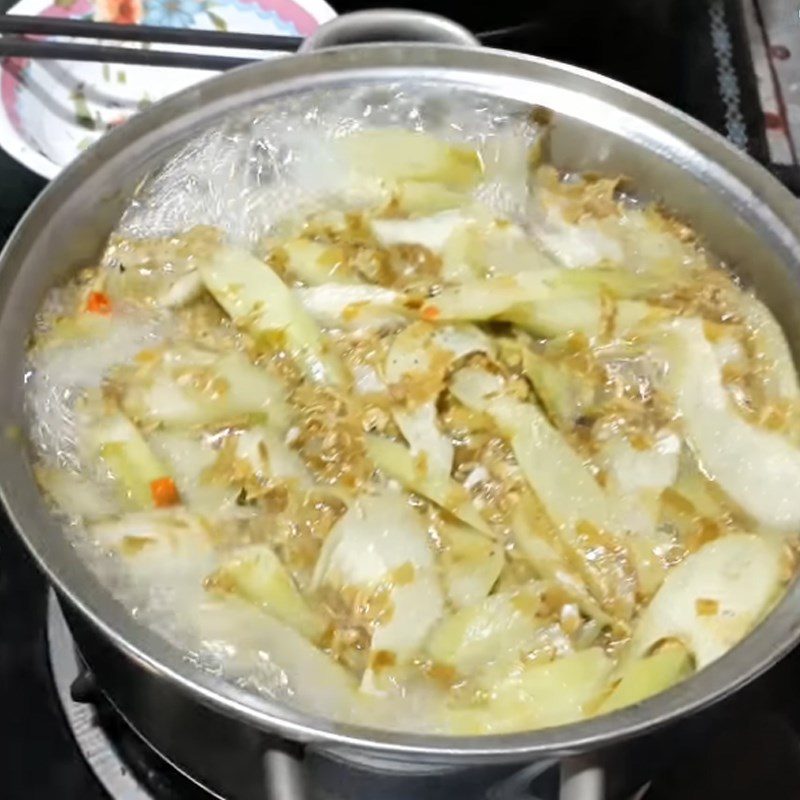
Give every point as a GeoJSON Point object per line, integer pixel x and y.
{"type": "Point", "coordinates": [44, 26]}
{"type": "Point", "coordinates": [67, 51]}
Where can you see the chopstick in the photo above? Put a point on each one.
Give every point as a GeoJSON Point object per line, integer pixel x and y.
{"type": "Point", "coordinates": [44, 26]}
{"type": "Point", "coordinates": [16, 27]}
{"type": "Point", "coordinates": [67, 51]}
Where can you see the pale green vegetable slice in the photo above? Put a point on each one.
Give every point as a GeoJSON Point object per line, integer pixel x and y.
{"type": "Point", "coordinates": [381, 544]}
{"type": "Point", "coordinates": [229, 386]}
{"type": "Point", "coordinates": [547, 555]}
{"type": "Point", "coordinates": [396, 461]}
{"type": "Point", "coordinates": [490, 297]}
{"type": "Point", "coordinates": [757, 468]}
{"type": "Point", "coordinates": [557, 473]}
{"type": "Point", "coordinates": [643, 677]}
{"type": "Point", "coordinates": [259, 301]}
{"type": "Point", "coordinates": [273, 651]}
{"type": "Point", "coordinates": [427, 197]}
{"type": "Point", "coordinates": [588, 315]}
{"type": "Point", "coordinates": [564, 392]}
{"type": "Point", "coordinates": [396, 155]}
{"type": "Point", "coordinates": [471, 564]}
{"type": "Point", "coordinates": [711, 600]}
{"type": "Point", "coordinates": [257, 575]}
{"type": "Point", "coordinates": [315, 263]}
{"type": "Point", "coordinates": [771, 346]}
{"type": "Point", "coordinates": [529, 294]}
{"type": "Point", "coordinates": [536, 695]}
{"type": "Point", "coordinates": [571, 496]}
{"type": "Point", "coordinates": [499, 627]}
{"type": "Point", "coordinates": [128, 457]}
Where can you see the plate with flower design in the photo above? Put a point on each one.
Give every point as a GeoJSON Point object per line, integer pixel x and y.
{"type": "Point", "coordinates": [50, 111]}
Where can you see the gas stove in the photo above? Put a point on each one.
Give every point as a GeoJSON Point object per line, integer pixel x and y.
{"type": "Point", "coordinates": [62, 739]}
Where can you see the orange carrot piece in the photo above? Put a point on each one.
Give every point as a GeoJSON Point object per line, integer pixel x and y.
{"type": "Point", "coordinates": [98, 303]}
{"type": "Point", "coordinates": [430, 313]}
{"type": "Point", "coordinates": [164, 492]}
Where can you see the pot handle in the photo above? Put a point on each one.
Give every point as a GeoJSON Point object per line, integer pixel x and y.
{"type": "Point", "coordinates": [580, 778]}
{"type": "Point", "coordinates": [388, 25]}
{"type": "Point", "coordinates": [283, 775]}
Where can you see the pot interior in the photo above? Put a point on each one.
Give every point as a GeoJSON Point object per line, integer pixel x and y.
{"type": "Point", "coordinates": [746, 218]}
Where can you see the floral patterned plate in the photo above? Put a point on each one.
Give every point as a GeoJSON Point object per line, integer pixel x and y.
{"type": "Point", "coordinates": [52, 110]}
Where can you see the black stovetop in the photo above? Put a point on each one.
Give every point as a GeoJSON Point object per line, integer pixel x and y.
{"type": "Point", "coordinates": [664, 47]}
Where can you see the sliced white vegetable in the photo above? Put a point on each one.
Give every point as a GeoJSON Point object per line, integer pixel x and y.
{"type": "Point", "coordinates": [394, 155]}
{"type": "Point", "coordinates": [508, 250]}
{"type": "Point", "coordinates": [163, 540]}
{"type": "Point", "coordinates": [711, 600]}
{"type": "Point", "coordinates": [575, 244]}
{"type": "Point", "coordinates": [632, 470]}
{"type": "Point", "coordinates": [184, 290]}
{"type": "Point", "coordinates": [244, 389]}
{"type": "Point", "coordinates": [431, 232]}
{"type": "Point", "coordinates": [414, 352]}
{"type": "Point", "coordinates": [498, 628]}
{"type": "Point", "coordinates": [257, 575]}
{"type": "Point", "coordinates": [269, 455]}
{"type": "Point", "coordinates": [397, 461]}
{"type": "Point", "coordinates": [352, 306]}
{"type": "Point", "coordinates": [757, 468]}
{"type": "Point", "coordinates": [419, 427]}
{"type": "Point", "coordinates": [381, 542]}
{"type": "Point", "coordinates": [412, 349]}
{"type": "Point", "coordinates": [471, 564]}
{"type": "Point", "coordinates": [258, 300]}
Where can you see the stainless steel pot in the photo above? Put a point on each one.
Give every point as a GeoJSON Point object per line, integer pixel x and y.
{"type": "Point", "coordinates": [222, 735]}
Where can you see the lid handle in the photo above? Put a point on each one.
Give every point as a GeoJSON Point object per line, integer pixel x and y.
{"type": "Point", "coordinates": [388, 25]}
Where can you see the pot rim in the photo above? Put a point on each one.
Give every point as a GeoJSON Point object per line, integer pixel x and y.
{"type": "Point", "coordinates": [42, 534]}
